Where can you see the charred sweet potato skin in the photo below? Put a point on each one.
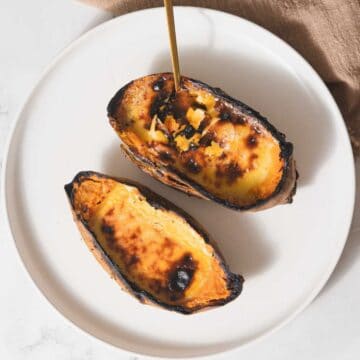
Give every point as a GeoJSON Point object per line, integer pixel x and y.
{"type": "Point", "coordinates": [142, 252]}
{"type": "Point", "coordinates": [203, 142]}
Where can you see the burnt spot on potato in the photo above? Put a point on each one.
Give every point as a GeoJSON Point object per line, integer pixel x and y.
{"type": "Point", "coordinates": [156, 104]}
{"type": "Point", "coordinates": [193, 146]}
{"type": "Point", "coordinates": [238, 120]}
{"type": "Point", "coordinates": [231, 172]}
{"type": "Point", "coordinates": [123, 125]}
{"type": "Point", "coordinates": [85, 211]}
{"type": "Point", "coordinates": [128, 252]}
{"type": "Point", "coordinates": [110, 212]}
{"type": "Point", "coordinates": [225, 115]}
{"type": "Point", "coordinates": [197, 105]}
{"type": "Point", "coordinates": [133, 260]}
{"type": "Point", "coordinates": [107, 229]}
{"type": "Point", "coordinates": [287, 150]}
{"type": "Point", "coordinates": [180, 276]}
{"type": "Point", "coordinates": [134, 236]}
{"type": "Point", "coordinates": [180, 103]}
{"type": "Point", "coordinates": [193, 166]}
{"type": "Point", "coordinates": [188, 132]}
{"type": "Point", "coordinates": [207, 139]}
{"type": "Point", "coordinates": [204, 123]}
{"type": "Point", "coordinates": [109, 234]}
{"type": "Point", "coordinates": [252, 141]}
{"type": "Point", "coordinates": [166, 156]}
{"type": "Point", "coordinates": [158, 84]}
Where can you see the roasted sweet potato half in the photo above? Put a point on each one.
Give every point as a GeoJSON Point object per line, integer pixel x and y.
{"type": "Point", "coordinates": [149, 246]}
{"type": "Point", "coordinates": [203, 142]}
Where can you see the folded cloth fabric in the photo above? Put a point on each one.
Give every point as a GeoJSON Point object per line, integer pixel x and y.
{"type": "Point", "coordinates": [325, 32]}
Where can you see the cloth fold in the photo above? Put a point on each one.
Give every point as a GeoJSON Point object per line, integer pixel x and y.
{"type": "Point", "coordinates": [325, 32]}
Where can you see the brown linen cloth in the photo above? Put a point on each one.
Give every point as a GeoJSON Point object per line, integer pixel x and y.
{"type": "Point", "coordinates": [325, 32]}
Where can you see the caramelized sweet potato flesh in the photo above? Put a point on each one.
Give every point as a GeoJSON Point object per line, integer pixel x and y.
{"type": "Point", "coordinates": [201, 137]}
{"type": "Point", "coordinates": [154, 248]}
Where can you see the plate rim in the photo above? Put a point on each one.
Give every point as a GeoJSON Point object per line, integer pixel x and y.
{"type": "Point", "coordinates": [52, 65]}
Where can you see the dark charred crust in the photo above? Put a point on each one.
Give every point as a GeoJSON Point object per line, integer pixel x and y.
{"type": "Point", "coordinates": [166, 108]}
{"type": "Point", "coordinates": [231, 171]}
{"type": "Point", "coordinates": [166, 156]}
{"type": "Point", "coordinates": [109, 233]}
{"type": "Point", "coordinates": [156, 104]}
{"type": "Point", "coordinates": [251, 141]}
{"type": "Point", "coordinates": [158, 84]}
{"type": "Point", "coordinates": [223, 156]}
{"type": "Point", "coordinates": [193, 146]}
{"type": "Point", "coordinates": [69, 191]}
{"type": "Point", "coordinates": [235, 285]}
{"type": "Point", "coordinates": [225, 115]}
{"type": "Point", "coordinates": [107, 229]}
{"type": "Point", "coordinates": [123, 125]}
{"type": "Point", "coordinates": [116, 100]}
{"type": "Point", "coordinates": [193, 166]}
{"type": "Point", "coordinates": [207, 139]}
{"type": "Point", "coordinates": [293, 191]}
{"type": "Point", "coordinates": [188, 132]}
{"type": "Point", "coordinates": [133, 260]}
{"type": "Point", "coordinates": [204, 123]}
{"type": "Point", "coordinates": [180, 277]}
{"type": "Point", "coordinates": [182, 104]}
{"type": "Point", "coordinates": [197, 105]}
{"type": "Point", "coordinates": [234, 281]}
{"type": "Point", "coordinates": [287, 149]}
{"type": "Point", "coordinates": [238, 120]}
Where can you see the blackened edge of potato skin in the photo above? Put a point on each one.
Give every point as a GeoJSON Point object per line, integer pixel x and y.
{"type": "Point", "coordinates": [234, 281]}
{"type": "Point", "coordinates": [116, 99]}
{"type": "Point", "coordinates": [285, 147]}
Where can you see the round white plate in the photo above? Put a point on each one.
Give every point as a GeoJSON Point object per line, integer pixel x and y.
{"type": "Point", "coordinates": [286, 254]}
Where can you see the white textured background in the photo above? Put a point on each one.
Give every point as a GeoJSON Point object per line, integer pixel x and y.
{"type": "Point", "coordinates": [32, 32]}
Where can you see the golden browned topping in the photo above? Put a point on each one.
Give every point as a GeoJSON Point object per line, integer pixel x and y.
{"type": "Point", "coordinates": [206, 139]}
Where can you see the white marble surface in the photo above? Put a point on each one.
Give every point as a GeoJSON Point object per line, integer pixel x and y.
{"type": "Point", "coordinates": [31, 33]}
